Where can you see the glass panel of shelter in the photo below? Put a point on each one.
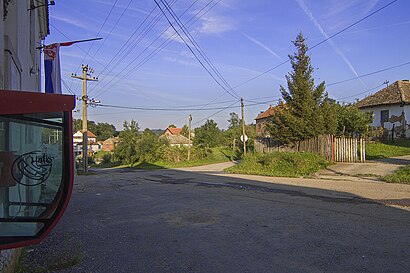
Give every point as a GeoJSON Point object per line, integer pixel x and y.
{"type": "Point", "coordinates": [31, 168]}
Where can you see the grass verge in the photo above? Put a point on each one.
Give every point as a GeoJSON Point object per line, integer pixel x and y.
{"type": "Point", "coordinates": [383, 150]}
{"type": "Point", "coordinates": [280, 164]}
{"type": "Point", "coordinates": [402, 175]}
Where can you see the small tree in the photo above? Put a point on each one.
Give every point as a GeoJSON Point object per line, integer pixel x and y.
{"type": "Point", "coordinates": [185, 131]}
{"type": "Point", "coordinates": [208, 135]}
{"type": "Point", "coordinates": [126, 150]}
{"type": "Point", "coordinates": [351, 121]}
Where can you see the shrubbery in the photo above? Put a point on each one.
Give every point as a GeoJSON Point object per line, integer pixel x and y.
{"type": "Point", "coordinates": [280, 164]}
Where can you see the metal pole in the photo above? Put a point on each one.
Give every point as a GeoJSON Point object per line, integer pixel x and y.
{"type": "Point", "coordinates": [189, 136]}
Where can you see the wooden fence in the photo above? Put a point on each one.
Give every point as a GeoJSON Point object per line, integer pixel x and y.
{"type": "Point", "coordinates": [339, 149]}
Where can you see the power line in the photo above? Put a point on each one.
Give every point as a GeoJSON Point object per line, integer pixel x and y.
{"type": "Point", "coordinates": [225, 108]}
{"type": "Point", "coordinates": [125, 44]}
{"type": "Point", "coordinates": [198, 47]}
{"type": "Point", "coordinates": [371, 89]}
{"type": "Point", "coordinates": [330, 37]}
{"type": "Point", "coordinates": [131, 46]}
{"type": "Point", "coordinates": [189, 47]}
{"type": "Point", "coordinates": [173, 108]}
{"type": "Point", "coordinates": [99, 31]}
{"type": "Point", "coordinates": [106, 38]}
{"type": "Point", "coordinates": [157, 50]}
{"type": "Point", "coordinates": [368, 74]}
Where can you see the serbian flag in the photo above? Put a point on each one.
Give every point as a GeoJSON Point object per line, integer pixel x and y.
{"type": "Point", "coordinates": [52, 67]}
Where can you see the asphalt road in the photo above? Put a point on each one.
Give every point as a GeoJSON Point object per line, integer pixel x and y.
{"type": "Point", "coordinates": [197, 220]}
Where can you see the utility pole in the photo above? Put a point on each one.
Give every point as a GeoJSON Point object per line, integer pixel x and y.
{"type": "Point", "coordinates": [243, 127]}
{"type": "Point", "coordinates": [87, 71]}
{"type": "Point", "coordinates": [189, 136]}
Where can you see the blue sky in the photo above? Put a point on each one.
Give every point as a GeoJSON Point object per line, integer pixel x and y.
{"type": "Point", "coordinates": [242, 38]}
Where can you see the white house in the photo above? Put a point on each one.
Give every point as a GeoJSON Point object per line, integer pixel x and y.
{"type": "Point", "coordinates": [78, 137]}
{"type": "Point", "coordinates": [390, 107]}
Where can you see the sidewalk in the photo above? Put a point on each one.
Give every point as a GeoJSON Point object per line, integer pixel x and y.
{"type": "Point", "coordinates": [371, 170]}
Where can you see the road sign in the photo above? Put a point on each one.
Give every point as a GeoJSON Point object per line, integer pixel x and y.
{"type": "Point", "coordinates": [246, 138]}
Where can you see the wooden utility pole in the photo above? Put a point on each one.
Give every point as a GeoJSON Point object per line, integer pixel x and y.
{"type": "Point", "coordinates": [243, 127]}
{"type": "Point", "coordinates": [189, 136]}
{"type": "Point", "coordinates": [87, 71]}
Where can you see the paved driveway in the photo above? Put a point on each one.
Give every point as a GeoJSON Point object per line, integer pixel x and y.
{"type": "Point", "coordinates": [199, 220]}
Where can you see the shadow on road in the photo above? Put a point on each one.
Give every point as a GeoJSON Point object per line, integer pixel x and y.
{"type": "Point", "coordinates": [179, 221]}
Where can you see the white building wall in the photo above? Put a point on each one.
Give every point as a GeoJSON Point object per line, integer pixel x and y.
{"type": "Point", "coordinates": [395, 112]}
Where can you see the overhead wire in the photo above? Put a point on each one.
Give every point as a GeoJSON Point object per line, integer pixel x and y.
{"type": "Point", "coordinates": [197, 16]}
{"type": "Point", "coordinates": [198, 49]}
{"type": "Point", "coordinates": [368, 90]}
{"type": "Point", "coordinates": [192, 39]}
{"type": "Point", "coordinates": [99, 31]}
{"type": "Point", "coordinates": [323, 41]}
{"type": "Point", "coordinates": [112, 28]}
{"type": "Point", "coordinates": [131, 47]}
{"type": "Point", "coordinates": [369, 74]}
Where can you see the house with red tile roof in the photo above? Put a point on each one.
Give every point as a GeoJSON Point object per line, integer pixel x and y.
{"type": "Point", "coordinates": [174, 137]}
{"type": "Point", "coordinates": [262, 118]}
{"type": "Point", "coordinates": [172, 131]}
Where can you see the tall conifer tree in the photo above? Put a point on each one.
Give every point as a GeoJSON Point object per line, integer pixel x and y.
{"type": "Point", "coordinates": [300, 116]}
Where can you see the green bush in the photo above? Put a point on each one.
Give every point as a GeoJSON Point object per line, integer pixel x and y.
{"type": "Point", "coordinates": [280, 164]}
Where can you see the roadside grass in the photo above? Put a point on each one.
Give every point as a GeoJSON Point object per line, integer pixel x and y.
{"type": "Point", "coordinates": [218, 155]}
{"type": "Point", "coordinates": [283, 164]}
{"type": "Point", "coordinates": [383, 150]}
{"type": "Point", "coordinates": [402, 175]}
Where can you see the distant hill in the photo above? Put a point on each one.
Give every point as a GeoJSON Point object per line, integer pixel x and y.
{"type": "Point", "coordinates": [157, 131]}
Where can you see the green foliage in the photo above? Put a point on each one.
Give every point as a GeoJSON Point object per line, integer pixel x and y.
{"type": "Point", "coordinates": [148, 145]}
{"type": "Point", "coordinates": [208, 135]}
{"type": "Point", "coordinates": [302, 114]}
{"type": "Point", "coordinates": [402, 175]}
{"type": "Point", "coordinates": [103, 157]}
{"type": "Point", "coordinates": [382, 150]}
{"type": "Point", "coordinates": [280, 164]}
{"type": "Point", "coordinates": [102, 130]}
{"type": "Point", "coordinates": [351, 121]}
{"type": "Point", "coordinates": [126, 150]}
{"type": "Point", "coordinates": [185, 131]}
{"type": "Point", "coordinates": [234, 120]}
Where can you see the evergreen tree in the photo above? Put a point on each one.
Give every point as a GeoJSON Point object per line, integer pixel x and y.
{"type": "Point", "coordinates": [301, 114]}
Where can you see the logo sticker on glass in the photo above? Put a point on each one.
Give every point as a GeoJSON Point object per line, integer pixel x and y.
{"type": "Point", "coordinates": [34, 165]}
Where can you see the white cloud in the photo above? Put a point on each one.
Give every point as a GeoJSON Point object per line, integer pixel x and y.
{"type": "Point", "coordinates": [307, 11]}
{"type": "Point", "coordinates": [71, 21]}
{"type": "Point", "coordinates": [215, 25]}
{"type": "Point", "coordinates": [259, 43]}
{"type": "Point", "coordinates": [180, 61]}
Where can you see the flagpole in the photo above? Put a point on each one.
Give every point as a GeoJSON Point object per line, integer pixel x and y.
{"type": "Point", "coordinates": [75, 42]}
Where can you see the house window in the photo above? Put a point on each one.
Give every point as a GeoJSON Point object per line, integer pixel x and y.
{"type": "Point", "coordinates": [384, 116]}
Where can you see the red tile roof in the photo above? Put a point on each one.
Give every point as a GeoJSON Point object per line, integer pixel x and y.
{"type": "Point", "coordinates": [174, 131]}
{"type": "Point", "coordinates": [268, 113]}
{"type": "Point", "coordinates": [89, 134]}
